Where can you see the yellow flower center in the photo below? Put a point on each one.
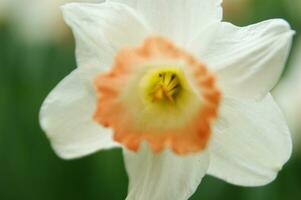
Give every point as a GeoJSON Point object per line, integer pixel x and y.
{"type": "Point", "coordinates": [163, 85]}
{"type": "Point", "coordinates": [166, 88]}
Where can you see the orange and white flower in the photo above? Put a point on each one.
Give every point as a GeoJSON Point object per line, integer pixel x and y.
{"type": "Point", "coordinates": [183, 93]}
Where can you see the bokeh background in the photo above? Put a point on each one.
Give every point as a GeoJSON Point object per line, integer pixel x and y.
{"type": "Point", "coordinates": [37, 51]}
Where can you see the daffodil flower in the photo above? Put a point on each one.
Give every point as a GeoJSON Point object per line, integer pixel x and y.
{"type": "Point", "coordinates": [181, 92]}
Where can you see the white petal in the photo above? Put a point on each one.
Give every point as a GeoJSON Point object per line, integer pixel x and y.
{"type": "Point", "coordinates": [100, 30]}
{"type": "Point", "coordinates": [249, 60]}
{"type": "Point", "coordinates": [165, 175]}
{"type": "Point", "coordinates": [288, 93]}
{"type": "Point", "coordinates": [251, 142]}
{"type": "Point", "coordinates": [202, 42]}
{"type": "Point", "coordinates": [66, 117]}
{"type": "Point", "coordinates": [177, 19]}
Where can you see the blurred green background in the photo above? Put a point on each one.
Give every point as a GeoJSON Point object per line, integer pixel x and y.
{"type": "Point", "coordinates": [30, 170]}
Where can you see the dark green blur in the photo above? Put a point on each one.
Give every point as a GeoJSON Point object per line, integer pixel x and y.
{"type": "Point", "coordinates": [29, 169]}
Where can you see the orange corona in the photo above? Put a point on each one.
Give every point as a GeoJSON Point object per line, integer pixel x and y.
{"type": "Point", "coordinates": [160, 94]}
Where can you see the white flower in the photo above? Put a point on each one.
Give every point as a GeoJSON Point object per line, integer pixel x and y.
{"type": "Point", "coordinates": [288, 95]}
{"type": "Point", "coordinates": [135, 78]}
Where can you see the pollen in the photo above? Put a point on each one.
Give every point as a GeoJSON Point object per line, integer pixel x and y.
{"type": "Point", "coordinates": [163, 85]}
{"type": "Point", "coordinates": [167, 88]}
{"type": "Point", "coordinates": [158, 93]}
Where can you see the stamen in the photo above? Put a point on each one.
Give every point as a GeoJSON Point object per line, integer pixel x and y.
{"type": "Point", "coordinates": [167, 88]}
